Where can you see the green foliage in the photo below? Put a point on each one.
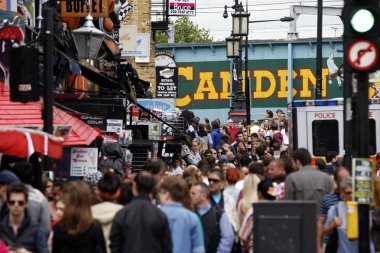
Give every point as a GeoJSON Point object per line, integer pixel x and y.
{"type": "Point", "coordinates": [185, 32]}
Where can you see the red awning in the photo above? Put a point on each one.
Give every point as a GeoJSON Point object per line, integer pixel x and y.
{"type": "Point", "coordinates": [15, 114]}
{"type": "Point", "coordinates": [22, 142]}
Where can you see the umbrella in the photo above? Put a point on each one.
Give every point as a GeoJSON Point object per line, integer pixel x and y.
{"type": "Point", "coordinates": [23, 142]}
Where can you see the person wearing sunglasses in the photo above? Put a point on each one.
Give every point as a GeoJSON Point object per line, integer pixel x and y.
{"type": "Point", "coordinates": [17, 230]}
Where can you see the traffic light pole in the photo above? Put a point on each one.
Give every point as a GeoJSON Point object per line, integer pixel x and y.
{"type": "Point", "coordinates": [318, 85]}
{"type": "Point", "coordinates": [361, 129]}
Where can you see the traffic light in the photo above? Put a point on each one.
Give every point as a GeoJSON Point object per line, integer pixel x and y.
{"type": "Point", "coordinates": [361, 20]}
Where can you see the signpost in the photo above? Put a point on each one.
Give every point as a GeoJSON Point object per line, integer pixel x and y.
{"type": "Point", "coordinates": [362, 55]}
{"type": "Point", "coordinates": [362, 181]}
{"type": "Point", "coordinates": [167, 82]}
{"type": "Point", "coordinates": [361, 47]}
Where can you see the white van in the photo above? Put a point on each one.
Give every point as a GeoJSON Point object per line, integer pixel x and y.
{"type": "Point", "coordinates": [318, 126]}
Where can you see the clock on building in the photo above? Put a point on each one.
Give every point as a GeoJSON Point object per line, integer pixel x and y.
{"type": "Point", "coordinates": [164, 59]}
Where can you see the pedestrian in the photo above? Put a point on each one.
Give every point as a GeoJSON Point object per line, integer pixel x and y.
{"type": "Point", "coordinates": [78, 231]}
{"type": "Point", "coordinates": [6, 178]}
{"type": "Point", "coordinates": [185, 226]}
{"type": "Point", "coordinates": [17, 229]}
{"type": "Point", "coordinates": [203, 134]}
{"type": "Point", "coordinates": [216, 186]}
{"type": "Point", "coordinates": [194, 156]}
{"type": "Point", "coordinates": [177, 165]}
{"type": "Point", "coordinates": [140, 226]}
{"type": "Point", "coordinates": [156, 167]}
{"type": "Point", "coordinates": [216, 135]}
{"type": "Point", "coordinates": [329, 200]}
{"type": "Point", "coordinates": [307, 183]}
{"type": "Point", "coordinates": [249, 192]}
{"type": "Point", "coordinates": [231, 129]}
{"type": "Point", "coordinates": [38, 206]}
{"type": "Point", "coordinates": [230, 196]}
{"type": "Point", "coordinates": [337, 219]}
{"type": "Point", "coordinates": [217, 231]}
{"type": "Point", "coordinates": [108, 190]}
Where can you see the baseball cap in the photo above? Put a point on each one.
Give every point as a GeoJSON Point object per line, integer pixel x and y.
{"type": "Point", "coordinates": [8, 177]}
{"type": "Point", "coordinates": [224, 158]}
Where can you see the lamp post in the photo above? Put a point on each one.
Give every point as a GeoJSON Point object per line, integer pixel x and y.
{"type": "Point", "coordinates": [240, 27]}
{"type": "Point", "coordinates": [88, 39]}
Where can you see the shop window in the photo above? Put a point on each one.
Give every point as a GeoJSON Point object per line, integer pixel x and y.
{"type": "Point", "coordinates": [325, 137]}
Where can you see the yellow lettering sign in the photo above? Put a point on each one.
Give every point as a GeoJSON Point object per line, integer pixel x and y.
{"type": "Point", "coordinates": [188, 74]}
{"type": "Point", "coordinates": [206, 85]}
{"type": "Point", "coordinates": [283, 75]}
{"type": "Point", "coordinates": [260, 92]}
{"type": "Point", "coordinates": [226, 82]}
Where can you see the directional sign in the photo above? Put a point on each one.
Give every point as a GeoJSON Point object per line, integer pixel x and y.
{"type": "Point", "coordinates": [362, 55]}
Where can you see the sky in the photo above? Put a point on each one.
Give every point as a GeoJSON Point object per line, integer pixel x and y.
{"type": "Point", "coordinates": [210, 17]}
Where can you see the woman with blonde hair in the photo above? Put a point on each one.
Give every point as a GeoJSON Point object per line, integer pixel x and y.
{"type": "Point", "coordinates": [250, 184]}
{"type": "Point", "coordinates": [77, 231]}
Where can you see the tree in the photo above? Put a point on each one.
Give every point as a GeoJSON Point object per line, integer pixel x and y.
{"type": "Point", "coordinates": [185, 31]}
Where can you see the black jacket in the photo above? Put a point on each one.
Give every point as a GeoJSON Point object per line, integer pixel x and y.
{"type": "Point", "coordinates": [140, 227]}
{"type": "Point", "coordinates": [88, 241]}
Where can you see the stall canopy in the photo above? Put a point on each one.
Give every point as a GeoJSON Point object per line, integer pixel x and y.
{"type": "Point", "coordinates": [74, 131]}
{"type": "Point", "coordinates": [23, 142]}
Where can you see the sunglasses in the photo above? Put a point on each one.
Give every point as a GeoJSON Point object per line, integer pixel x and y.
{"type": "Point", "coordinates": [213, 180]}
{"type": "Point", "coordinates": [13, 202]}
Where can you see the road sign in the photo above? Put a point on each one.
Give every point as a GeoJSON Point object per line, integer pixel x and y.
{"type": "Point", "coordinates": [362, 181]}
{"type": "Point", "coordinates": [362, 55]}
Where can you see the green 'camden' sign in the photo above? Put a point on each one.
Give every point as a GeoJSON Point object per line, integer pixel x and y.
{"type": "Point", "coordinates": [206, 85]}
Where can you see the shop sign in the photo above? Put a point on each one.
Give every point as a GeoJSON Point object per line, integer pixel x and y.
{"type": "Point", "coordinates": [166, 82]}
{"type": "Point", "coordinates": [142, 42]}
{"type": "Point", "coordinates": [114, 125]}
{"type": "Point", "coordinates": [166, 105]}
{"type": "Point", "coordinates": [83, 161]}
{"type": "Point", "coordinates": [95, 121]}
{"type": "Point", "coordinates": [182, 7]}
{"type": "Point", "coordinates": [127, 37]}
{"type": "Point", "coordinates": [362, 181]}
{"type": "Point", "coordinates": [78, 8]}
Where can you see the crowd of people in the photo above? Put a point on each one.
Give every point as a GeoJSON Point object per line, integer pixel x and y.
{"type": "Point", "coordinates": [201, 201]}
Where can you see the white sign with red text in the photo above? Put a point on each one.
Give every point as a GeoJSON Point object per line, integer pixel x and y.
{"type": "Point", "coordinates": [83, 161]}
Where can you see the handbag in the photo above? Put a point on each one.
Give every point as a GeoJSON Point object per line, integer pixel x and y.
{"type": "Point", "coordinates": [332, 243]}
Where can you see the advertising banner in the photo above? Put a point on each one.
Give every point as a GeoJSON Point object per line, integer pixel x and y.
{"type": "Point", "coordinates": [182, 7]}
{"type": "Point", "coordinates": [166, 82]}
{"type": "Point", "coordinates": [83, 161]}
{"type": "Point", "coordinates": [362, 181]}
{"type": "Point", "coordinates": [127, 37]}
{"type": "Point", "coordinates": [206, 85]}
{"type": "Point", "coordinates": [142, 46]}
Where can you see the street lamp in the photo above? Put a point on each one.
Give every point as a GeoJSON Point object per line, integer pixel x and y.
{"type": "Point", "coordinates": [88, 39]}
{"type": "Point", "coordinates": [240, 23]}
{"type": "Point", "coordinates": [233, 46]}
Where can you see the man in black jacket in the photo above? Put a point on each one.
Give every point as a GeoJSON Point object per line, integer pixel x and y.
{"type": "Point", "coordinates": [17, 230]}
{"type": "Point", "coordinates": [140, 226]}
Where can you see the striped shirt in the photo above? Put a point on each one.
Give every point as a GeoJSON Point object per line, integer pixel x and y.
{"type": "Point", "coordinates": [328, 201]}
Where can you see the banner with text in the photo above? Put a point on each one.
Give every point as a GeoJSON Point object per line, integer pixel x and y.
{"type": "Point", "coordinates": [142, 46]}
{"type": "Point", "coordinates": [362, 181]}
{"type": "Point", "coordinates": [182, 7]}
{"type": "Point", "coordinates": [166, 82]}
{"type": "Point", "coordinates": [83, 161]}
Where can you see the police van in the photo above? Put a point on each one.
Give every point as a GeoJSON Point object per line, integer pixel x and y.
{"type": "Point", "coordinates": [318, 126]}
